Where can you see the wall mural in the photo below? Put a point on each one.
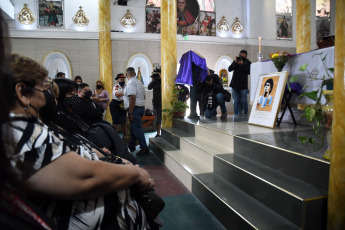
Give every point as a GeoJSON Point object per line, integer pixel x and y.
{"type": "Point", "coordinates": [194, 17]}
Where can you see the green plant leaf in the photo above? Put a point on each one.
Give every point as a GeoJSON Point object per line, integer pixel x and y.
{"type": "Point", "coordinates": [311, 140]}
{"type": "Point", "coordinates": [312, 95]}
{"type": "Point", "coordinates": [331, 69]}
{"type": "Point", "coordinates": [302, 140]}
{"type": "Point", "coordinates": [304, 87]}
{"type": "Point", "coordinates": [294, 79]}
{"type": "Point", "coordinates": [303, 67]}
{"type": "Point", "coordinates": [288, 84]}
{"type": "Point", "coordinates": [309, 113]}
{"type": "Point", "coordinates": [324, 58]}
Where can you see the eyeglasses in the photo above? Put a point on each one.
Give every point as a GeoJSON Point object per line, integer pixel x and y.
{"type": "Point", "coordinates": [49, 85]}
{"type": "Point", "coordinates": [49, 91]}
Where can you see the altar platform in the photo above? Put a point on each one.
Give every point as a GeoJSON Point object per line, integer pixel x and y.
{"type": "Point", "coordinates": [248, 177]}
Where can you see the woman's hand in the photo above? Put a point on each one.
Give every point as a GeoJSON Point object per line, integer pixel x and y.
{"type": "Point", "coordinates": [145, 180]}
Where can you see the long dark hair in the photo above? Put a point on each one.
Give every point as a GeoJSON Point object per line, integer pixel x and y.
{"type": "Point", "coordinates": [65, 86]}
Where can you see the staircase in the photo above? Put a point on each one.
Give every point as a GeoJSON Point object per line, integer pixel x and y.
{"type": "Point", "coordinates": [246, 184]}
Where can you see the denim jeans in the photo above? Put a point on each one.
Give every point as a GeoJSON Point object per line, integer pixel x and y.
{"type": "Point", "coordinates": [213, 111]}
{"type": "Point", "coordinates": [240, 100]}
{"type": "Point", "coordinates": [137, 130]}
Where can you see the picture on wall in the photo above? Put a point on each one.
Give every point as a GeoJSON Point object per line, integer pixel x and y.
{"type": "Point", "coordinates": [207, 5]}
{"type": "Point", "coordinates": [155, 3]}
{"type": "Point", "coordinates": [322, 28]}
{"type": "Point", "coordinates": [284, 7]}
{"type": "Point", "coordinates": [267, 100]}
{"type": "Point", "coordinates": [207, 23]}
{"type": "Point", "coordinates": [284, 27]}
{"type": "Point", "coordinates": [50, 13]}
{"type": "Point", "coordinates": [190, 30]}
{"type": "Point", "coordinates": [153, 20]}
{"type": "Point", "coordinates": [187, 12]}
{"type": "Point", "coordinates": [323, 8]}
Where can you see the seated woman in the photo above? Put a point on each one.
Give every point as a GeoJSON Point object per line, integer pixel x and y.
{"type": "Point", "coordinates": [67, 181]}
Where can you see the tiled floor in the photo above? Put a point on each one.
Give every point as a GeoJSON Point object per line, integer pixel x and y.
{"type": "Point", "coordinates": [182, 210]}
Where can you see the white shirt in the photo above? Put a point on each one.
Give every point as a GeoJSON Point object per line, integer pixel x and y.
{"type": "Point", "coordinates": [134, 87]}
{"type": "Point", "coordinates": [118, 89]}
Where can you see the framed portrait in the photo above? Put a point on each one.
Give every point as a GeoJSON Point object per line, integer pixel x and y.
{"type": "Point", "coordinates": [153, 20]}
{"type": "Point", "coordinates": [207, 23]}
{"type": "Point", "coordinates": [187, 12]}
{"type": "Point", "coordinates": [190, 30]}
{"type": "Point", "coordinates": [268, 98]}
{"type": "Point", "coordinates": [323, 28]}
{"type": "Point", "coordinates": [155, 3]}
{"type": "Point", "coordinates": [323, 8]}
{"type": "Point", "coordinates": [50, 13]}
{"type": "Point", "coordinates": [284, 7]}
{"type": "Point", "coordinates": [284, 27]}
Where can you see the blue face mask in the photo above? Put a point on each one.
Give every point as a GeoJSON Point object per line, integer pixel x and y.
{"type": "Point", "coordinates": [122, 83]}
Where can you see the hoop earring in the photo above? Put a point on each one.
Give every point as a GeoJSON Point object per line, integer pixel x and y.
{"type": "Point", "coordinates": [27, 107]}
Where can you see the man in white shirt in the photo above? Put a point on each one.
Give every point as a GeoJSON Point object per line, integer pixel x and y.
{"type": "Point", "coordinates": [134, 99]}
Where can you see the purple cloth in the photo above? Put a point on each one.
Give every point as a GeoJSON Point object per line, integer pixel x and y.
{"type": "Point", "coordinates": [184, 75]}
{"type": "Point", "coordinates": [295, 88]}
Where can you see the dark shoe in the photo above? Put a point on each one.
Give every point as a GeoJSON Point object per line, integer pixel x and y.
{"type": "Point", "coordinates": [223, 116]}
{"type": "Point", "coordinates": [193, 117]}
{"type": "Point", "coordinates": [132, 148]}
{"type": "Point", "coordinates": [157, 135]}
{"type": "Point", "coordinates": [143, 151]}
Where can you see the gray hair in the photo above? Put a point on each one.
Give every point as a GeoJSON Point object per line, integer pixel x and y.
{"type": "Point", "coordinates": [130, 71]}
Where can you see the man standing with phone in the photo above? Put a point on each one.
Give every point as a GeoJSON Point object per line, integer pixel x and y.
{"type": "Point", "coordinates": [239, 82]}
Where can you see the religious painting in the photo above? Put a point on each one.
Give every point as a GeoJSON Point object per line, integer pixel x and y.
{"type": "Point", "coordinates": [190, 30]}
{"type": "Point", "coordinates": [207, 5]}
{"type": "Point", "coordinates": [207, 23]}
{"type": "Point", "coordinates": [223, 75]}
{"type": "Point", "coordinates": [153, 20]}
{"type": "Point", "coordinates": [155, 3]}
{"type": "Point", "coordinates": [323, 28]}
{"type": "Point", "coordinates": [187, 12]}
{"type": "Point", "coordinates": [268, 97]}
{"type": "Point", "coordinates": [284, 7]}
{"type": "Point", "coordinates": [284, 27]}
{"type": "Point", "coordinates": [323, 8]}
{"type": "Point", "coordinates": [50, 13]}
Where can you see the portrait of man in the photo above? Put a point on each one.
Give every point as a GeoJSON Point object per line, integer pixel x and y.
{"type": "Point", "coordinates": [187, 12]}
{"type": "Point", "coordinates": [267, 94]}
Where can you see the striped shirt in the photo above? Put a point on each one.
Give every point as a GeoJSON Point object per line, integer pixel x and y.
{"type": "Point", "coordinates": [35, 147]}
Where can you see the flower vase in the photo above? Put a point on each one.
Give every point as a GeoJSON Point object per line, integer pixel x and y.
{"type": "Point", "coordinates": [327, 109]}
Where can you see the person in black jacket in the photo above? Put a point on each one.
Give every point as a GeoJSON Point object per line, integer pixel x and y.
{"type": "Point", "coordinates": [155, 84]}
{"type": "Point", "coordinates": [213, 96]}
{"type": "Point", "coordinates": [239, 82]}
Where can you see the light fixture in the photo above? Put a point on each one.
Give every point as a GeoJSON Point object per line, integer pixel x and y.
{"type": "Point", "coordinates": [128, 21]}
{"type": "Point", "coordinates": [223, 27]}
{"type": "Point", "coordinates": [237, 28]}
{"type": "Point", "coordinates": [25, 16]}
{"type": "Point", "coordinates": [80, 18]}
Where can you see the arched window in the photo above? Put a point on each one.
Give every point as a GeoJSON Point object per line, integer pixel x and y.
{"type": "Point", "coordinates": [140, 60]}
{"type": "Point", "coordinates": [56, 61]}
{"type": "Point", "coordinates": [223, 62]}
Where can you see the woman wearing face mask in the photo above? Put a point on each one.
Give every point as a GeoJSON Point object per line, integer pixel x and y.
{"type": "Point", "coordinates": [101, 97]}
{"type": "Point", "coordinates": [118, 113]}
{"type": "Point", "coordinates": [53, 169]}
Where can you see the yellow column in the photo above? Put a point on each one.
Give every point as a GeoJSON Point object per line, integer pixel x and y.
{"type": "Point", "coordinates": [303, 35]}
{"type": "Point", "coordinates": [168, 54]}
{"type": "Point", "coordinates": [105, 62]}
{"type": "Point", "coordinates": [336, 200]}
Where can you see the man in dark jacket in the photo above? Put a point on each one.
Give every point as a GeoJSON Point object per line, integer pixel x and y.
{"type": "Point", "coordinates": [239, 82]}
{"type": "Point", "coordinates": [155, 84]}
{"type": "Point", "coordinates": [213, 96]}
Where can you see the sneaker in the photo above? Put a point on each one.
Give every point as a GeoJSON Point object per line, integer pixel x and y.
{"type": "Point", "coordinates": [143, 151]}
{"type": "Point", "coordinates": [132, 148]}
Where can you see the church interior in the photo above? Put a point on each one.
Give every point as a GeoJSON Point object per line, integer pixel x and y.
{"type": "Point", "coordinates": [273, 167]}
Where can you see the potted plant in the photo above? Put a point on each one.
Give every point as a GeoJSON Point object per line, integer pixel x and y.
{"type": "Point", "coordinates": [320, 115]}
{"type": "Point", "coordinates": [178, 108]}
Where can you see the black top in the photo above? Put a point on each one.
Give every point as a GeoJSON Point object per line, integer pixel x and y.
{"type": "Point", "coordinates": [240, 77]}
{"type": "Point", "coordinates": [89, 112]}
{"type": "Point", "coordinates": [156, 85]}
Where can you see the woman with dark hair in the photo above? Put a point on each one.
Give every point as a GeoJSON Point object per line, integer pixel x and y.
{"type": "Point", "coordinates": [78, 79]}
{"type": "Point", "coordinates": [55, 169]}
{"type": "Point", "coordinates": [100, 96]}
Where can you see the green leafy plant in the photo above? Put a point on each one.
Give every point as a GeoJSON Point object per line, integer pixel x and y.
{"type": "Point", "coordinates": [177, 106]}
{"type": "Point", "coordinates": [313, 112]}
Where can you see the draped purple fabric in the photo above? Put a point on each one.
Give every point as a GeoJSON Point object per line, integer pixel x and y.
{"type": "Point", "coordinates": [295, 88]}
{"type": "Point", "coordinates": [184, 75]}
